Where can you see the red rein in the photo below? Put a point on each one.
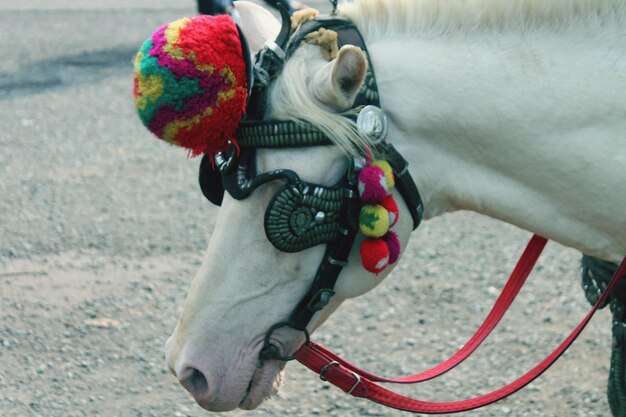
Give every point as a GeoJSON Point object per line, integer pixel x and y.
{"type": "Point", "coordinates": [359, 383]}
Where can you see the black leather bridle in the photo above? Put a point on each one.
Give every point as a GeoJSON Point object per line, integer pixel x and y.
{"type": "Point", "coordinates": [301, 214]}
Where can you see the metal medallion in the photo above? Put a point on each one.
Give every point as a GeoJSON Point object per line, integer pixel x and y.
{"type": "Point", "coordinates": [372, 124]}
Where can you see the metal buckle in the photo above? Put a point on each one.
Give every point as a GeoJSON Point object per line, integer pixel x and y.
{"type": "Point", "coordinates": [337, 262]}
{"type": "Point", "coordinates": [320, 299]}
{"type": "Point", "coordinates": [325, 369]}
{"type": "Point", "coordinates": [356, 376]}
{"type": "Point", "coordinates": [278, 51]}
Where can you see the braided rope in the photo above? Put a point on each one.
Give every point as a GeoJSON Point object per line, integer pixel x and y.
{"type": "Point", "coordinates": [280, 134]}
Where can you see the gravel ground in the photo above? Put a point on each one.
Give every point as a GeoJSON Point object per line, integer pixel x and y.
{"type": "Point", "coordinates": [102, 227]}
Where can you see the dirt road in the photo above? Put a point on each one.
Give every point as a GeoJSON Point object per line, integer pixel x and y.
{"type": "Point", "coordinates": [102, 228]}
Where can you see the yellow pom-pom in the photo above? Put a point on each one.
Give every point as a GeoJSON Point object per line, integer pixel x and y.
{"type": "Point", "coordinates": [373, 220]}
{"type": "Point", "coordinates": [384, 165]}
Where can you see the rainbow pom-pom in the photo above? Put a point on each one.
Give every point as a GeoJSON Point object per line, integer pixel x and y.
{"type": "Point", "coordinates": [191, 84]}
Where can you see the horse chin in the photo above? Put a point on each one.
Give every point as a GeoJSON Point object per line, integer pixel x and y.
{"type": "Point", "coordinates": [265, 383]}
{"type": "Point", "coordinates": [269, 374]}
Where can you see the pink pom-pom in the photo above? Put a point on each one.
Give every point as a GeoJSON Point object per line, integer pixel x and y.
{"type": "Point", "coordinates": [372, 184]}
{"type": "Point", "coordinates": [390, 204]}
{"type": "Point", "coordinates": [374, 255]}
{"type": "Point", "coordinates": [393, 243]}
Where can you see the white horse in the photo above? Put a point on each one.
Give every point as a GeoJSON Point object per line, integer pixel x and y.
{"type": "Point", "coordinates": [513, 109]}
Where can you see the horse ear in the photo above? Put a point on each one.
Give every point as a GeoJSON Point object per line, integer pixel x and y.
{"type": "Point", "coordinates": [338, 82]}
{"type": "Point", "coordinates": [257, 24]}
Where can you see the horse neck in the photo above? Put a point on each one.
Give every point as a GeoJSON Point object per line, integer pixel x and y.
{"type": "Point", "coordinates": [524, 127]}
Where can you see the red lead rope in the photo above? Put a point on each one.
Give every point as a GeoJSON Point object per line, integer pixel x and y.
{"type": "Point", "coordinates": [515, 282]}
{"type": "Point", "coordinates": [359, 383]}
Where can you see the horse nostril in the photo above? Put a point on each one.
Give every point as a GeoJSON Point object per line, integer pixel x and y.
{"type": "Point", "coordinates": [195, 382]}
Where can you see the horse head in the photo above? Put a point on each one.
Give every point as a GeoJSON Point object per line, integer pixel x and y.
{"type": "Point", "coordinates": [246, 285]}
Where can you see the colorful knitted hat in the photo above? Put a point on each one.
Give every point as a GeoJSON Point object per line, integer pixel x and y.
{"type": "Point", "coordinates": [190, 83]}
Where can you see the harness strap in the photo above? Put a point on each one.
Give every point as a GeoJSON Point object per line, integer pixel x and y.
{"type": "Point", "coordinates": [335, 259]}
{"type": "Point", "coordinates": [359, 384]}
{"type": "Point", "coordinates": [322, 289]}
{"type": "Point", "coordinates": [405, 184]}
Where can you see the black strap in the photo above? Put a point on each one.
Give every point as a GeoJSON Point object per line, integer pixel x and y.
{"type": "Point", "coordinates": [335, 258]}
{"type": "Point", "coordinates": [322, 289]}
{"type": "Point", "coordinates": [405, 184]}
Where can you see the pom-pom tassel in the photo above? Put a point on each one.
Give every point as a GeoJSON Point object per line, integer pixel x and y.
{"type": "Point", "coordinates": [374, 255]}
{"type": "Point", "coordinates": [393, 243]}
{"type": "Point", "coordinates": [372, 184]}
{"type": "Point", "coordinates": [378, 214]}
{"type": "Point", "coordinates": [373, 220]}
{"type": "Point", "coordinates": [392, 208]}
{"type": "Point", "coordinates": [389, 177]}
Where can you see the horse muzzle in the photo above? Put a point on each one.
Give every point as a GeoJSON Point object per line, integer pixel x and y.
{"type": "Point", "coordinates": [219, 383]}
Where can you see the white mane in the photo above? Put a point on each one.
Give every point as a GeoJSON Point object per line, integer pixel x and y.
{"type": "Point", "coordinates": [291, 99]}
{"type": "Point", "coordinates": [389, 19]}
